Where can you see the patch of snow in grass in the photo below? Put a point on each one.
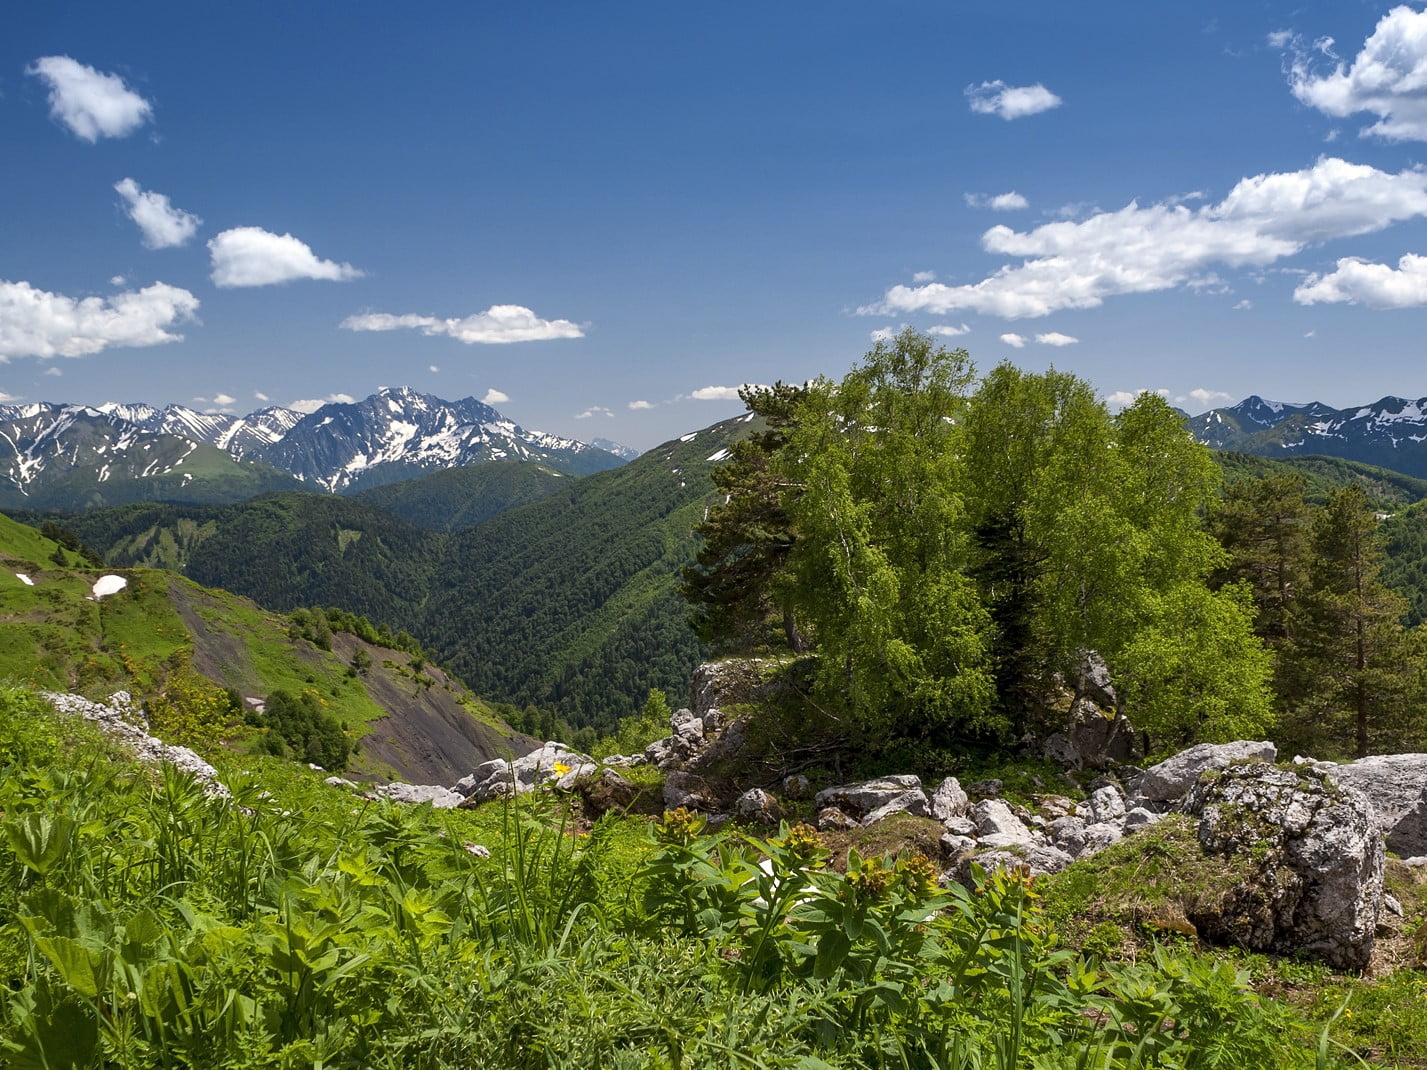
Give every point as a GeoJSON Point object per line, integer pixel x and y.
{"type": "Point", "coordinates": [109, 585]}
{"type": "Point", "coordinates": [24, 579]}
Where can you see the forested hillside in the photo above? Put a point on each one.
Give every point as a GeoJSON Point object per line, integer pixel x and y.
{"type": "Point", "coordinates": [457, 498]}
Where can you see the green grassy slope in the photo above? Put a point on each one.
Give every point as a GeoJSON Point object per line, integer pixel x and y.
{"type": "Point", "coordinates": [55, 635]}
{"type": "Point", "coordinates": [1326, 474]}
{"type": "Point", "coordinates": [458, 498]}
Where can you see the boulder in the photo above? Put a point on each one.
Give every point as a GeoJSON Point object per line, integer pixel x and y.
{"type": "Point", "coordinates": [997, 826]}
{"type": "Point", "coordinates": [985, 789]}
{"type": "Point", "coordinates": [831, 819]}
{"type": "Point", "coordinates": [1172, 778]}
{"type": "Point", "coordinates": [1107, 804]}
{"type": "Point", "coordinates": [688, 791]}
{"type": "Point", "coordinates": [954, 845]}
{"type": "Point", "coordinates": [1093, 680]}
{"type": "Point", "coordinates": [756, 805]}
{"type": "Point", "coordinates": [1317, 855]}
{"type": "Point", "coordinates": [909, 802]}
{"type": "Point", "coordinates": [1039, 859]}
{"type": "Point", "coordinates": [960, 826]}
{"type": "Point", "coordinates": [1396, 785]}
{"type": "Point", "coordinates": [1068, 833]}
{"type": "Point", "coordinates": [1094, 739]}
{"type": "Point", "coordinates": [1099, 836]}
{"type": "Point", "coordinates": [1140, 817]}
{"type": "Point", "coordinates": [797, 786]}
{"type": "Point", "coordinates": [859, 800]}
{"type": "Point", "coordinates": [949, 800]}
{"type": "Point", "coordinates": [440, 798]}
{"type": "Point", "coordinates": [554, 763]}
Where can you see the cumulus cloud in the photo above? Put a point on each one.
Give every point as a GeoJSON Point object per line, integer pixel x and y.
{"type": "Point", "coordinates": [948, 330]}
{"type": "Point", "coordinates": [91, 103]}
{"type": "Point", "coordinates": [223, 399]}
{"type": "Point", "coordinates": [495, 397]}
{"type": "Point", "coordinates": [1010, 101]}
{"type": "Point", "coordinates": [260, 395]}
{"type": "Point", "coordinates": [924, 276]}
{"type": "Point", "coordinates": [883, 334]}
{"type": "Point", "coordinates": [1360, 282]}
{"type": "Point", "coordinates": [251, 256]}
{"type": "Point", "coordinates": [1207, 398]}
{"type": "Point", "coordinates": [593, 410]}
{"type": "Point", "coordinates": [1387, 78]}
{"type": "Point", "coordinates": [1120, 398]}
{"type": "Point", "coordinates": [1055, 338]}
{"type": "Point", "coordinates": [1016, 341]}
{"type": "Point", "coordinates": [37, 323]}
{"type": "Point", "coordinates": [716, 393]}
{"type": "Point", "coordinates": [1263, 219]}
{"type": "Point", "coordinates": [7, 398]}
{"type": "Point", "coordinates": [497, 325]}
{"type": "Point", "coordinates": [313, 404]}
{"type": "Point", "coordinates": [162, 225]}
{"type": "Point", "coordinates": [117, 280]}
{"type": "Point", "coordinates": [637, 405]}
{"type": "Point", "coordinates": [1000, 202]}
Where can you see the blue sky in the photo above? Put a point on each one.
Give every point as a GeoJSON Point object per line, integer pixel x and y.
{"type": "Point", "coordinates": [610, 215]}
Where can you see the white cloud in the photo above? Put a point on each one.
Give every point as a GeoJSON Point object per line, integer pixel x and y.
{"type": "Point", "coordinates": [260, 395]}
{"type": "Point", "coordinates": [37, 323]}
{"type": "Point", "coordinates": [1055, 338]}
{"type": "Point", "coordinates": [924, 276]}
{"type": "Point", "coordinates": [495, 397]}
{"type": "Point", "coordinates": [948, 330]}
{"type": "Point", "coordinates": [1388, 78]}
{"type": "Point", "coordinates": [7, 398]}
{"type": "Point", "coordinates": [883, 334]}
{"type": "Point", "coordinates": [593, 410]}
{"type": "Point", "coordinates": [162, 225]}
{"type": "Point", "coordinates": [117, 280]}
{"type": "Point", "coordinates": [52, 370]}
{"type": "Point", "coordinates": [1361, 282]}
{"type": "Point", "coordinates": [1000, 202]}
{"type": "Point", "coordinates": [223, 399]}
{"type": "Point", "coordinates": [1120, 398]}
{"type": "Point", "coordinates": [1244, 305]}
{"type": "Point", "coordinates": [716, 393]}
{"type": "Point", "coordinates": [1281, 38]}
{"type": "Point", "coordinates": [1206, 397]}
{"type": "Point", "coordinates": [496, 325]}
{"type": "Point", "coordinates": [91, 103]}
{"type": "Point", "coordinates": [1142, 250]}
{"type": "Point", "coordinates": [251, 256]}
{"type": "Point", "coordinates": [1310, 333]}
{"type": "Point", "coordinates": [1010, 101]}
{"type": "Point", "coordinates": [1014, 340]}
{"type": "Point", "coordinates": [637, 405]}
{"type": "Point", "coordinates": [433, 368]}
{"type": "Point", "coordinates": [313, 404]}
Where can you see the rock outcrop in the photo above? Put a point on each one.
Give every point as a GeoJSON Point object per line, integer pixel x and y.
{"type": "Point", "coordinates": [554, 763]}
{"type": "Point", "coordinates": [1172, 778]}
{"type": "Point", "coordinates": [1396, 785]}
{"type": "Point", "coordinates": [1318, 856]}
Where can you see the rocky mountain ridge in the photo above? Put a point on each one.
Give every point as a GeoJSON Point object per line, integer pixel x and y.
{"type": "Point", "coordinates": [394, 434]}
{"type": "Point", "coordinates": [1390, 432]}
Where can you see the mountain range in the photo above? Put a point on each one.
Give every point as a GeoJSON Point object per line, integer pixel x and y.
{"type": "Point", "coordinates": [1390, 433]}
{"type": "Point", "coordinates": [61, 456]}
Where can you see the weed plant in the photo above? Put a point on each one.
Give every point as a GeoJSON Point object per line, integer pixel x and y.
{"type": "Point", "coordinates": [147, 924]}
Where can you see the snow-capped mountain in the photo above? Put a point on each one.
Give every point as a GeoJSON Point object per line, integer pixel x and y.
{"type": "Point", "coordinates": [73, 456]}
{"type": "Point", "coordinates": [624, 453]}
{"type": "Point", "coordinates": [399, 433]}
{"type": "Point", "coordinates": [1391, 432]}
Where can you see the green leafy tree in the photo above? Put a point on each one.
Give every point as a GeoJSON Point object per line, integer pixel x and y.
{"type": "Point", "coordinates": [879, 567]}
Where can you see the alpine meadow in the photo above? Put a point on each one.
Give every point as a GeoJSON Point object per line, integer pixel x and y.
{"type": "Point", "coordinates": [787, 537]}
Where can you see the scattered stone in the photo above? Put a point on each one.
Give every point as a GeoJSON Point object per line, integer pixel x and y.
{"type": "Point", "coordinates": [553, 764]}
{"type": "Point", "coordinates": [338, 782]}
{"type": "Point", "coordinates": [1097, 837]}
{"type": "Point", "coordinates": [478, 850]}
{"type": "Point", "coordinates": [117, 721]}
{"type": "Point", "coordinates": [1141, 817]}
{"type": "Point", "coordinates": [997, 826]}
{"type": "Point", "coordinates": [1391, 904]}
{"type": "Point", "coordinates": [909, 802]}
{"type": "Point", "coordinates": [954, 845]}
{"type": "Point", "coordinates": [1172, 778]}
{"type": "Point", "coordinates": [859, 800]}
{"type": "Point", "coordinates": [1068, 833]}
{"type": "Point", "coordinates": [1319, 855]}
{"type": "Point", "coordinates": [1107, 804]}
{"type": "Point", "coordinates": [960, 826]}
{"type": "Point", "coordinates": [686, 790]}
{"type": "Point", "coordinates": [440, 798]}
{"type": "Point", "coordinates": [1094, 739]}
{"type": "Point", "coordinates": [949, 800]}
{"type": "Point", "coordinates": [756, 805]}
{"type": "Point", "coordinates": [1039, 859]}
{"type": "Point", "coordinates": [831, 819]}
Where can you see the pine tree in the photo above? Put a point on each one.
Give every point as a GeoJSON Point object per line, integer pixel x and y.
{"type": "Point", "coordinates": [1355, 667]}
